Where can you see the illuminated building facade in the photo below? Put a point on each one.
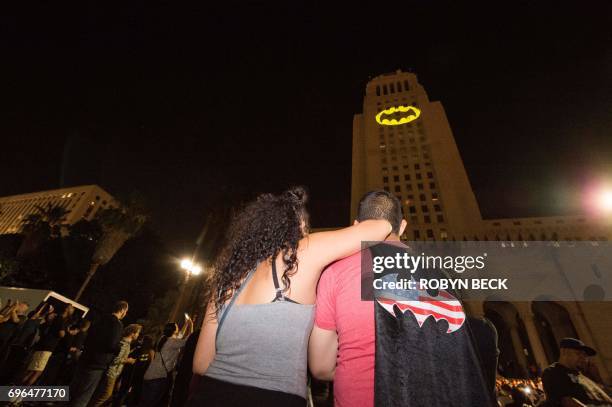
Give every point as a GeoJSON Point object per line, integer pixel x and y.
{"type": "Point", "coordinates": [83, 202]}
{"type": "Point", "coordinates": [417, 159]}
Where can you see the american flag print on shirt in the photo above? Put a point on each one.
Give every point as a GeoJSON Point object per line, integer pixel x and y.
{"type": "Point", "coordinates": [443, 306]}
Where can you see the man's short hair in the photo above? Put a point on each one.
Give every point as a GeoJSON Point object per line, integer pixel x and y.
{"type": "Point", "coordinates": [120, 306]}
{"type": "Point", "coordinates": [131, 329]}
{"type": "Point", "coordinates": [381, 204]}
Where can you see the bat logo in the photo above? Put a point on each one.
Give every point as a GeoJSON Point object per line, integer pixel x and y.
{"type": "Point", "coordinates": [443, 306]}
{"type": "Point", "coordinates": [410, 113]}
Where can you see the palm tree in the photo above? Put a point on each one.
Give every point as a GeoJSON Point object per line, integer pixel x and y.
{"type": "Point", "coordinates": [44, 224]}
{"type": "Point", "coordinates": [118, 224]}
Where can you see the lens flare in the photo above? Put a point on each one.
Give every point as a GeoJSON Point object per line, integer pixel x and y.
{"type": "Point", "coordinates": [604, 200]}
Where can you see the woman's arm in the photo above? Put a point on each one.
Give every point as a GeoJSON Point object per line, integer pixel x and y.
{"type": "Point", "coordinates": [205, 348]}
{"type": "Point", "coordinates": [323, 248]}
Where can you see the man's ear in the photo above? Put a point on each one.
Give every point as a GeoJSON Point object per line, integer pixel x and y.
{"type": "Point", "coordinates": [403, 227]}
{"type": "Point", "coordinates": [355, 222]}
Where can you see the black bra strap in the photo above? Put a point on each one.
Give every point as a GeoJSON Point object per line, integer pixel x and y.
{"type": "Point", "coordinates": [279, 291]}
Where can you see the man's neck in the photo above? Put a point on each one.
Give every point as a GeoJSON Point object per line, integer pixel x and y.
{"type": "Point", "coordinates": [564, 363]}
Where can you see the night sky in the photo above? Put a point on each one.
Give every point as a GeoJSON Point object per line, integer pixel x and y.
{"type": "Point", "coordinates": [200, 106]}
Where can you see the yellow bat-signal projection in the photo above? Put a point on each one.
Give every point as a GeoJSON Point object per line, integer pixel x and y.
{"type": "Point", "coordinates": [412, 113]}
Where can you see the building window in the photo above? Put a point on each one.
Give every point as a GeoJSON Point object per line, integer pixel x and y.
{"type": "Point", "coordinates": [398, 188]}
{"type": "Point", "coordinates": [414, 220]}
{"type": "Point", "coordinates": [406, 87]}
{"type": "Point", "coordinates": [422, 197]}
{"type": "Point", "coordinates": [406, 177]}
{"type": "Point", "coordinates": [434, 196]}
{"type": "Point", "coordinates": [386, 188]}
{"type": "Point", "coordinates": [378, 90]}
{"type": "Point", "coordinates": [430, 233]}
{"type": "Point", "coordinates": [417, 167]}
{"type": "Point", "coordinates": [385, 179]}
{"type": "Point", "coordinates": [432, 185]}
{"type": "Point", "coordinates": [418, 175]}
{"type": "Point", "coordinates": [417, 234]}
{"type": "Point", "coordinates": [396, 178]}
{"type": "Point", "coordinates": [385, 90]}
{"type": "Point", "coordinates": [424, 208]}
{"type": "Point", "coordinates": [412, 209]}
{"type": "Point", "coordinates": [409, 187]}
{"type": "Point", "coordinates": [429, 174]}
{"type": "Point", "coordinates": [399, 87]}
{"type": "Point", "coordinates": [427, 219]}
{"type": "Point", "coordinates": [392, 88]}
{"type": "Point", "coordinates": [440, 218]}
{"type": "Point", "coordinates": [394, 168]}
{"type": "Point", "coordinates": [420, 186]}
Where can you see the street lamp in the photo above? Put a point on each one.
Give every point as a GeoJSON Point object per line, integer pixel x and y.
{"type": "Point", "coordinates": [191, 269]}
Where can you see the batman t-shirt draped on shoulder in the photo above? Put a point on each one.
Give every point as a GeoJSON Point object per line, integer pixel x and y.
{"type": "Point", "coordinates": [426, 352]}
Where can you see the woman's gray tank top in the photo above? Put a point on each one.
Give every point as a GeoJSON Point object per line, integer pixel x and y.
{"type": "Point", "coordinates": [264, 345]}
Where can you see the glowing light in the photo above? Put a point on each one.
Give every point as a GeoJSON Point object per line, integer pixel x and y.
{"type": "Point", "coordinates": [192, 268]}
{"type": "Point", "coordinates": [605, 200]}
{"type": "Point", "coordinates": [412, 113]}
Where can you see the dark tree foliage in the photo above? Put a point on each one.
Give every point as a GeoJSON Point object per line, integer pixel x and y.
{"type": "Point", "coordinates": [142, 271]}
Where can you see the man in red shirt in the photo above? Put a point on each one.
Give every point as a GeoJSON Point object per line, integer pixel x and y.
{"type": "Point", "coordinates": [342, 342]}
{"type": "Point", "coordinates": [349, 332]}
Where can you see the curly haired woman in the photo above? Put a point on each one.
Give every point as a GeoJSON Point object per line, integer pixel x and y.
{"type": "Point", "coordinates": [252, 347]}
